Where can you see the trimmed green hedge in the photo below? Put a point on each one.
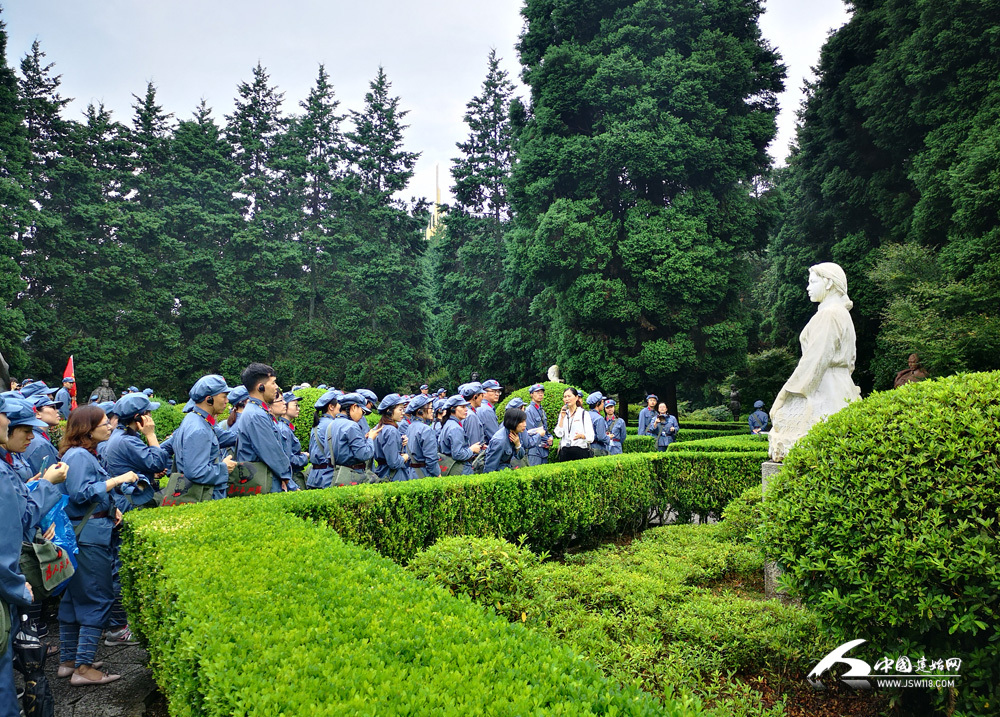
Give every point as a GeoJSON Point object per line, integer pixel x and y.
{"type": "Point", "coordinates": [248, 610]}
{"type": "Point", "coordinates": [553, 505]}
{"type": "Point", "coordinates": [884, 517]}
{"type": "Point", "coordinates": [166, 419]}
{"type": "Point", "coordinates": [740, 443]}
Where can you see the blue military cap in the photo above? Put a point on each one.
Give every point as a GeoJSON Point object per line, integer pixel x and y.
{"type": "Point", "coordinates": [390, 401]}
{"type": "Point", "coordinates": [134, 404]}
{"type": "Point", "coordinates": [595, 398]}
{"type": "Point", "coordinates": [93, 398]}
{"type": "Point", "coordinates": [423, 386]}
{"type": "Point", "coordinates": [290, 396]}
{"type": "Point", "coordinates": [516, 402]}
{"type": "Point", "coordinates": [188, 407]}
{"type": "Point", "coordinates": [455, 401]}
{"type": "Point", "coordinates": [172, 402]}
{"type": "Point", "coordinates": [758, 404]}
{"type": "Point", "coordinates": [355, 399]}
{"type": "Point", "coordinates": [322, 386]}
{"type": "Point", "coordinates": [610, 403]}
{"type": "Point", "coordinates": [238, 395]}
{"type": "Point", "coordinates": [42, 400]}
{"type": "Point", "coordinates": [21, 413]}
{"type": "Point", "coordinates": [536, 387]}
{"type": "Point", "coordinates": [438, 404]}
{"type": "Point", "coordinates": [133, 389]}
{"type": "Point", "coordinates": [13, 394]}
{"type": "Point", "coordinates": [327, 398]}
{"type": "Point", "coordinates": [442, 390]}
{"type": "Point", "coordinates": [69, 379]}
{"type": "Point", "coordinates": [108, 407]}
{"type": "Point", "coordinates": [492, 385]}
{"type": "Point", "coordinates": [417, 403]}
{"type": "Point", "coordinates": [148, 391]}
{"type": "Point", "coordinates": [36, 388]}
{"type": "Point", "coordinates": [211, 385]}
{"type": "Point", "coordinates": [369, 395]}
{"type": "Point", "coordinates": [652, 395]}
{"type": "Point", "coordinates": [468, 390]}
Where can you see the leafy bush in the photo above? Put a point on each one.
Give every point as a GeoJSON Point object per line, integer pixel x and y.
{"type": "Point", "coordinates": [884, 518]}
{"type": "Point", "coordinates": [552, 403]}
{"type": "Point", "coordinates": [303, 424]}
{"type": "Point", "coordinates": [710, 414]}
{"type": "Point", "coordinates": [488, 570]}
{"type": "Point", "coordinates": [353, 628]}
{"type": "Point", "coordinates": [742, 518]}
{"type": "Point", "coordinates": [167, 418]}
{"type": "Point", "coordinates": [669, 611]}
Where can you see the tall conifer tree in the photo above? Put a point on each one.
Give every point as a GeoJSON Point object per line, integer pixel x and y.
{"type": "Point", "coordinates": [648, 125]}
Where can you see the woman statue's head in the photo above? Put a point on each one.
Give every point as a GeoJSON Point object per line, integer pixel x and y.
{"type": "Point", "coordinates": [828, 279]}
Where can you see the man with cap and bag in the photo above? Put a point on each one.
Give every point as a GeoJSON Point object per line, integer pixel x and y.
{"type": "Point", "coordinates": [64, 398]}
{"type": "Point", "coordinates": [759, 419]}
{"type": "Point", "coordinates": [327, 407]}
{"type": "Point", "coordinates": [350, 447]}
{"type": "Point", "coordinates": [601, 446]}
{"type": "Point", "coordinates": [201, 472]}
{"type": "Point", "coordinates": [41, 452]}
{"type": "Point", "coordinates": [127, 451]}
{"type": "Point", "coordinates": [293, 446]}
{"type": "Point", "coordinates": [264, 465]}
{"type": "Point", "coordinates": [537, 422]}
{"type": "Point", "coordinates": [647, 414]}
{"type": "Point", "coordinates": [487, 411]}
{"type": "Point", "coordinates": [475, 435]}
{"type": "Point", "coordinates": [616, 429]}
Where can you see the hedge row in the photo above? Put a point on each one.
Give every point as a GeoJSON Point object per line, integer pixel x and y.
{"type": "Point", "coordinates": [553, 505]}
{"type": "Point", "coordinates": [250, 611]}
{"type": "Point", "coordinates": [692, 434]}
{"type": "Point", "coordinates": [740, 443]}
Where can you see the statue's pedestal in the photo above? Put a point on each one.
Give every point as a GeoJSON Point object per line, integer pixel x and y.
{"type": "Point", "coordinates": [769, 469]}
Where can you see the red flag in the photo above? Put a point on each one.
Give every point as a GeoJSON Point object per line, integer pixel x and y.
{"type": "Point", "coordinates": [68, 373]}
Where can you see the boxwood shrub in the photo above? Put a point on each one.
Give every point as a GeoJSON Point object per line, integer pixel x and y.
{"type": "Point", "coordinates": [167, 418]}
{"type": "Point", "coordinates": [248, 610]}
{"type": "Point", "coordinates": [739, 443]}
{"type": "Point", "coordinates": [884, 518]}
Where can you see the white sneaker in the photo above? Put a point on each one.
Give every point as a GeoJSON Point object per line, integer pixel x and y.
{"type": "Point", "coordinates": [121, 636]}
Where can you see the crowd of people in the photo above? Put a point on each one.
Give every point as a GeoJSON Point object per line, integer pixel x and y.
{"type": "Point", "coordinates": [109, 461]}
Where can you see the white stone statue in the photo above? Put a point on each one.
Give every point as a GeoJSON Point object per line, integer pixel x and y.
{"type": "Point", "coordinates": [554, 373]}
{"type": "Point", "coordinates": [821, 384]}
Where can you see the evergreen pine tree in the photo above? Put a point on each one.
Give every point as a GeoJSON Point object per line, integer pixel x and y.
{"type": "Point", "coordinates": [633, 189]}
{"type": "Point", "coordinates": [15, 208]}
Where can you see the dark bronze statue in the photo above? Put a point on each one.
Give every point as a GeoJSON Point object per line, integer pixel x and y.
{"type": "Point", "coordinates": [104, 392]}
{"type": "Point", "coordinates": [734, 402]}
{"type": "Point", "coordinates": [915, 372]}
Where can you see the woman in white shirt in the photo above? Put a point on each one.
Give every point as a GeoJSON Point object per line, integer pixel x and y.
{"type": "Point", "coordinates": [575, 429]}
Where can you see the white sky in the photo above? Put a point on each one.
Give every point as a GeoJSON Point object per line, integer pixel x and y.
{"type": "Point", "coordinates": [434, 55]}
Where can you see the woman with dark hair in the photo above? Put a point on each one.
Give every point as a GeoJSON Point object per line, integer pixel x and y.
{"type": "Point", "coordinates": [574, 428]}
{"type": "Point", "coordinates": [390, 442]}
{"type": "Point", "coordinates": [421, 442]}
{"type": "Point", "coordinates": [238, 401]}
{"type": "Point", "coordinates": [505, 445]}
{"type": "Point", "coordinates": [327, 408]}
{"type": "Point", "coordinates": [457, 456]}
{"type": "Point", "coordinates": [86, 605]}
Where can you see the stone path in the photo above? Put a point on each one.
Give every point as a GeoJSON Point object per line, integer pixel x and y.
{"type": "Point", "coordinates": [134, 695]}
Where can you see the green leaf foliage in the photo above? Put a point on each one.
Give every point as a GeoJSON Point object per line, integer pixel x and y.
{"type": "Point", "coordinates": [167, 418]}
{"type": "Point", "coordinates": [884, 518]}
{"type": "Point", "coordinates": [551, 404]}
{"type": "Point", "coordinates": [359, 628]}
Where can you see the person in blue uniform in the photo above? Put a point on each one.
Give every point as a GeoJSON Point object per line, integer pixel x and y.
{"type": "Point", "coordinates": [421, 440]}
{"type": "Point", "coordinates": [279, 410]}
{"type": "Point", "coordinates": [195, 443]}
{"type": "Point", "coordinates": [86, 604]}
{"type": "Point", "coordinates": [237, 402]}
{"type": "Point", "coordinates": [327, 407]}
{"type": "Point", "coordinates": [63, 397]}
{"type": "Point", "coordinates": [759, 419]}
{"type": "Point", "coordinates": [616, 429]}
{"type": "Point", "coordinates": [472, 425]}
{"type": "Point", "coordinates": [664, 427]}
{"type": "Point", "coordinates": [439, 416]}
{"type": "Point", "coordinates": [601, 445]}
{"type": "Point", "coordinates": [126, 451]}
{"type": "Point", "coordinates": [390, 458]}
{"type": "Point", "coordinates": [647, 414]}
{"type": "Point", "coordinates": [371, 401]}
{"type": "Point", "coordinates": [41, 452]}
{"type": "Point", "coordinates": [257, 438]}
{"type": "Point", "coordinates": [296, 456]}
{"type": "Point", "coordinates": [506, 444]}
{"type": "Point", "coordinates": [425, 390]}
{"type": "Point", "coordinates": [487, 411]}
{"type": "Point", "coordinates": [537, 422]}
{"type": "Point", "coordinates": [452, 441]}
{"type": "Point", "coordinates": [350, 447]}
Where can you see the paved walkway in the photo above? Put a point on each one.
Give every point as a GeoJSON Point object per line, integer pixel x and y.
{"type": "Point", "coordinates": [134, 695]}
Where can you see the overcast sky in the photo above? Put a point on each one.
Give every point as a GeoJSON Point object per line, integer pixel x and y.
{"type": "Point", "coordinates": [434, 53]}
